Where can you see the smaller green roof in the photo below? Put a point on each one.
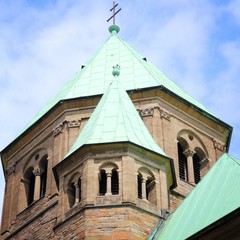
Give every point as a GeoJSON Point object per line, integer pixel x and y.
{"type": "Point", "coordinates": [215, 196]}
{"type": "Point", "coordinates": [115, 119]}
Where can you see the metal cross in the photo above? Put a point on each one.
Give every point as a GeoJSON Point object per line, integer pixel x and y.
{"type": "Point", "coordinates": [114, 13]}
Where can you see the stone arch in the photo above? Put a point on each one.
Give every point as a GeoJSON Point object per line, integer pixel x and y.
{"type": "Point", "coordinates": [34, 179]}
{"type": "Point", "coordinates": [146, 185]}
{"type": "Point", "coordinates": [192, 156]}
{"type": "Point", "coordinates": [108, 179]}
{"type": "Point", "coordinates": [74, 192]}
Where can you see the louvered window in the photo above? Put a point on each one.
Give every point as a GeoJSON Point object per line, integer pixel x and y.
{"type": "Point", "coordinates": [182, 162]}
{"type": "Point", "coordinates": [196, 168]}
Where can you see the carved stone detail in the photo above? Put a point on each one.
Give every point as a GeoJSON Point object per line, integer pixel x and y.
{"type": "Point", "coordinates": [189, 152]}
{"type": "Point", "coordinates": [165, 114]}
{"type": "Point", "coordinates": [73, 124]}
{"type": "Point", "coordinates": [37, 171]}
{"type": "Point", "coordinates": [58, 129]}
{"type": "Point", "coordinates": [146, 112]}
{"type": "Point", "coordinates": [219, 145]}
{"type": "Point", "coordinates": [11, 169]}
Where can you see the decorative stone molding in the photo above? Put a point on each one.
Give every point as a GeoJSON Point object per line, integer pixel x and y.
{"type": "Point", "coordinates": [219, 145]}
{"type": "Point", "coordinates": [189, 152]}
{"type": "Point", "coordinates": [58, 129]}
{"type": "Point", "coordinates": [11, 169]}
{"type": "Point", "coordinates": [146, 112]}
{"type": "Point", "coordinates": [165, 114]}
{"type": "Point", "coordinates": [103, 160]}
{"type": "Point", "coordinates": [73, 124]}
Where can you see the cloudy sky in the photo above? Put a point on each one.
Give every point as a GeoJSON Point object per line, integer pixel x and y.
{"type": "Point", "coordinates": [44, 42]}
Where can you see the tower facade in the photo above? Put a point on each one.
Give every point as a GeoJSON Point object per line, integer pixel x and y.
{"type": "Point", "coordinates": [111, 155]}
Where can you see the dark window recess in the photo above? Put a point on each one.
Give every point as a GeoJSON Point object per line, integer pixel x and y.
{"type": "Point", "coordinates": [182, 162]}
{"type": "Point", "coordinates": [80, 187]}
{"type": "Point", "coordinates": [196, 168]}
{"type": "Point", "coordinates": [44, 179]}
{"type": "Point", "coordinates": [31, 189]}
{"type": "Point", "coordinates": [71, 195]}
{"type": "Point", "coordinates": [139, 179]}
{"type": "Point", "coordinates": [114, 187]}
{"type": "Point", "coordinates": [102, 183]}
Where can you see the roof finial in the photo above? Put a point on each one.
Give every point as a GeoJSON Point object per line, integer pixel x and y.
{"type": "Point", "coordinates": [114, 29]}
{"type": "Point", "coordinates": [116, 71]}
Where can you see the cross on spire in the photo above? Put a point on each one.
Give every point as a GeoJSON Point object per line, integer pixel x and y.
{"type": "Point", "coordinates": [114, 13]}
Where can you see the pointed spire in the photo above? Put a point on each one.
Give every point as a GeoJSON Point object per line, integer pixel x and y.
{"type": "Point", "coordinates": [114, 120]}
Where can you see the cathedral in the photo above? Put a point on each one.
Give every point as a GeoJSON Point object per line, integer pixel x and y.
{"type": "Point", "coordinates": [121, 152]}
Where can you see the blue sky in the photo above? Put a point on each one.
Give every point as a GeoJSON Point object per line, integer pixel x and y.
{"type": "Point", "coordinates": [44, 42]}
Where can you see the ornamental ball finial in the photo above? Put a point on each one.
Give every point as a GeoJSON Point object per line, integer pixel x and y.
{"type": "Point", "coordinates": [116, 71]}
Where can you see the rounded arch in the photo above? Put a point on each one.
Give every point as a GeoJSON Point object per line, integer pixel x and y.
{"type": "Point", "coordinates": [74, 193]}
{"type": "Point", "coordinates": [74, 177]}
{"type": "Point", "coordinates": [146, 173]}
{"type": "Point", "coordinates": [189, 139]}
{"type": "Point", "coordinates": [108, 179]}
{"type": "Point", "coordinates": [108, 165]}
{"type": "Point", "coordinates": [35, 157]}
{"type": "Point", "coordinates": [191, 163]}
{"type": "Point", "coordinates": [33, 183]}
{"type": "Point", "coordinates": [146, 185]}
{"type": "Point", "coordinates": [184, 144]}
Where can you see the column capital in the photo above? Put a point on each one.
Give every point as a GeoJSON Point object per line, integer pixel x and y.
{"type": "Point", "coordinates": [189, 152]}
{"type": "Point", "coordinates": [109, 174]}
{"type": "Point", "coordinates": [38, 171]}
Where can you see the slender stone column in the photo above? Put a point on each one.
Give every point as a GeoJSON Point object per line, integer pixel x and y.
{"type": "Point", "coordinates": [77, 193]}
{"type": "Point", "coordinates": [109, 181]}
{"type": "Point", "coordinates": [144, 190]}
{"type": "Point", "coordinates": [37, 187]}
{"type": "Point", "coordinates": [190, 171]}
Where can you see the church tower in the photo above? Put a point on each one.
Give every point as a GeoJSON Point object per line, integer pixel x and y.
{"type": "Point", "coordinates": [115, 151]}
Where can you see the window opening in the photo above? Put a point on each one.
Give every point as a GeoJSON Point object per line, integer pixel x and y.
{"type": "Point", "coordinates": [102, 183]}
{"type": "Point", "coordinates": [182, 162]}
{"type": "Point", "coordinates": [196, 168]}
{"type": "Point", "coordinates": [115, 182]}
{"type": "Point", "coordinates": [71, 194]}
{"type": "Point", "coordinates": [139, 179]}
{"type": "Point", "coordinates": [44, 178]}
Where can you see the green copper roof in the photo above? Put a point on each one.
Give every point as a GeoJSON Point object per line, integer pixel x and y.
{"type": "Point", "coordinates": [115, 119]}
{"type": "Point", "coordinates": [95, 77]}
{"type": "Point", "coordinates": [216, 195]}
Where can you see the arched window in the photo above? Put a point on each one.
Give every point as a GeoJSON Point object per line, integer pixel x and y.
{"type": "Point", "coordinates": [182, 163]}
{"type": "Point", "coordinates": [108, 179]}
{"type": "Point", "coordinates": [196, 168]}
{"type": "Point", "coordinates": [146, 186]}
{"type": "Point", "coordinates": [74, 192]}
